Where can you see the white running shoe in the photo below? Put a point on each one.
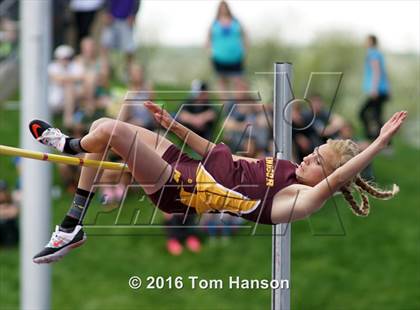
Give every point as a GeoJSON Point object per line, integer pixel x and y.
{"type": "Point", "coordinates": [60, 244]}
{"type": "Point", "coordinates": [48, 135]}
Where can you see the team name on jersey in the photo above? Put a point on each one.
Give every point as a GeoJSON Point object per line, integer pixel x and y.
{"type": "Point", "coordinates": [269, 171]}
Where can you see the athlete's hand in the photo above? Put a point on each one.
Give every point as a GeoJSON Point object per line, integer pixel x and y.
{"type": "Point", "coordinates": [160, 115]}
{"type": "Point", "coordinates": [391, 127]}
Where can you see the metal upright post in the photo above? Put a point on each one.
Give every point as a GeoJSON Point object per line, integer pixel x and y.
{"type": "Point", "coordinates": [283, 149]}
{"type": "Point", "coordinates": [36, 183]}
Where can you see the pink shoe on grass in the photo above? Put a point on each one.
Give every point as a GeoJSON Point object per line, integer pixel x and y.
{"type": "Point", "coordinates": [193, 244]}
{"type": "Point", "coordinates": [174, 247]}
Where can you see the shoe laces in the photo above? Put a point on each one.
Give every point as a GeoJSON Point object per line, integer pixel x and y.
{"type": "Point", "coordinates": [56, 237]}
{"type": "Point", "coordinates": [50, 136]}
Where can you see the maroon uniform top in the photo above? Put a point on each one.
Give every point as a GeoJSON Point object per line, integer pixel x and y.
{"type": "Point", "coordinates": [258, 182]}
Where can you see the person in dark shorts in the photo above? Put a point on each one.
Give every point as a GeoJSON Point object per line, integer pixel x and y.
{"type": "Point", "coordinates": [227, 44]}
{"type": "Point", "coordinates": [377, 88]}
{"type": "Point", "coordinates": [267, 191]}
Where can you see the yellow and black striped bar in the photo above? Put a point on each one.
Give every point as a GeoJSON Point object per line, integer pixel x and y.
{"type": "Point", "coordinates": [69, 160]}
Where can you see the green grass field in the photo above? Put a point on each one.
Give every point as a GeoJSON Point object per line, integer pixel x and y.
{"type": "Point", "coordinates": [339, 261]}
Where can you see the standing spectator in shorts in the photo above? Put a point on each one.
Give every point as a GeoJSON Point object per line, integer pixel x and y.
{"type": "Point", "coordinates": [118, 32]}
{"type": "Point", "coordinates": [84, 15]}
{"type": "Point", "coordinates": [376, 86]}
{"type": "Point", "coordinates": [227, 43]}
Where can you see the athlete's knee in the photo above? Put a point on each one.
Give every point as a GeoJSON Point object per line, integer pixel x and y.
{"type": "Point", "coordinates": [99, 122]}
{"type": "Point", "coordinates": [113, 129]}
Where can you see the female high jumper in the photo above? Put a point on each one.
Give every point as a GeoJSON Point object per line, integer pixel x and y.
{"type": "Point", "coordinates": [266, 191]}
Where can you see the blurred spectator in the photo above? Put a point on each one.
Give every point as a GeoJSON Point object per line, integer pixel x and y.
{"type": "Point", "coordinates": [95, 84]}
{"type": "Point", "coordinates": [17, 193]}
{"type": "Point", "coordinates": [61, 23]}
{"type": "Point", "coordinates": [8, 37]}
{"type": "Point", "coordinates": [304, 136]}
{"type": "Point", "coordinates": [135, 112]}
{"type": "Point", "coordinates": [69, 177]}
{"type": "Point", "coordinates": [227, 43]}
{"type": "Point", "coordinates": [10, 9]}
{"type": "Point", "coordinates": [115, 185]}
{"type": "Point", "coordinates": [9, 232]}
{"type": "Point", "coordinates": [220, 226]}
{"type": "Point", "coordinates": [176, 236]}
{"type": "Point", "coordinates": [9, 18]}
{"type": "Point", "coordinates": [262, 130]}
{"type": "Point", "coordinates": [119, 23]}
{"type": "Point", "coordinates": [376, 86]}
{"type": "Point", "coordinates": [65, 85]}
{"type": "Point", "coordinates": [246, 129]}
{"type": "Point", "coordinates": [313, 126]}
{"type": "Point", "coordinates": [347, 132]}
{"type": "Point", "coordinates": [197, 113]}
{"type": "Point", "coordinates": [326, 124]}
{"type": "Point", "coordinates": [84, 15]}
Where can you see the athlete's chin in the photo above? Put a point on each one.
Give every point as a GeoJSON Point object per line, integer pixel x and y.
{"type": "Point", "coordinates": [305, 180]}
{"type": "Point", "coordinates": [300, 178]}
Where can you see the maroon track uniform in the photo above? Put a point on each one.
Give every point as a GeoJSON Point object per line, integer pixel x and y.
{"type": "Point", "coordinates": [217, 183]}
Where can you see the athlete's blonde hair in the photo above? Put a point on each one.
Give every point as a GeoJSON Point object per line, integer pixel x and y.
{"type": "Point", "coordinates": [345, 150]}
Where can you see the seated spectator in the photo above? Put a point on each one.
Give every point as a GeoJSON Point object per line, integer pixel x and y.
{"type": "Point", "coordinates": [65, 86]}
{"type": "Point", "coordinates": [9, 232]}
{"type": "Point", "coordinates": [198, 113]}
{"type": "Point", "coordinates": [95, 84]}
{"type": "Point", "coordinates": [325, 123]}
{"type": "Point", "coordinates": [246, 128]}
{"type": "Point", "coordinates": [263, 131]}
{"type": "Point", "coordinates": [8, 37]}
{"type": "Point", "coordinates": [17, 192]}
{"type": "Point", "coordinates": [134, 112]}
{"type": "Point", "coordinates": [304, 135]}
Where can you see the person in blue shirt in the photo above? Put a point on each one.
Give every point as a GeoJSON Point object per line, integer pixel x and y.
{"type": "Point", "coordinates": [376, 86]}
{"type": "Point", "coordinates": [227, 43]}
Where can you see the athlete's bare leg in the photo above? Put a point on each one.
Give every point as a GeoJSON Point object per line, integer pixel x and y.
{"type": "Point", "coordinates": [141, 148]}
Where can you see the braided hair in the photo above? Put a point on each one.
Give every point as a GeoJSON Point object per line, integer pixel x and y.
{"type": "Point", "coordinates": [347, 149]}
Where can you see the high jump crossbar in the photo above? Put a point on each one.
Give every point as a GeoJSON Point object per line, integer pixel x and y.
{"type": "Point", "coordinates": [62, 159]}
{"type": "Point", "coordinates": [282, 132]}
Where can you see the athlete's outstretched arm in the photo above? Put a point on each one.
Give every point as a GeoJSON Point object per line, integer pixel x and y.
{"type": "Point", "coordinates": [299, 201]}
{"type": "Point", "coordinates": [193, 140]}
{"type": "Point", "coordinates": [354, 166]}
